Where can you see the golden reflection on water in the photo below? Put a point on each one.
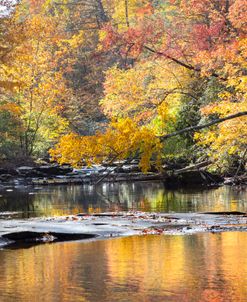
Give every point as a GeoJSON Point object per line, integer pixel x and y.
{"type": "Point", "coordinates": [144, 196]}
{"type": "Point", "coordinates": [202, 267]}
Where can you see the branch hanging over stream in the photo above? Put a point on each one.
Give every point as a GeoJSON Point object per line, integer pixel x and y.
{"type": "Point", "coordinates": [199, 127]}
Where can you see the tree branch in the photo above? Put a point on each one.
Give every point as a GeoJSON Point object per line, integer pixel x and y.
{"type": "Point", "coordinates": [126, 13]}
{"type": "Point", "coordinates": [199, 127]}
{"type": "Point", "coordinates": [187, 66]}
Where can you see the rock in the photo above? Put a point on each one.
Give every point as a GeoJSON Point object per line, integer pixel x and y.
{"type": "Point", "coordinates": [54, 169]}
{"type": "Point", "coordinates": [229, 181]}
{"type": "Point", "coordinates": [237, 180]}
{"type": "Point", "coordinates": [26, 171]}
{"type": "Point", "coordinates": [28, 238]}
{"type": "Point", "coordinates": [5, 177]}
{"type": "Point", "coordinates": [26, 235]}
{"type": "Point", "coordinates": [43, 171]}
{"type": "Point", "coordinates": [8, 171]}
{"type": "Point", "coordinates": [34, 236]}
{"type": "Point", "coordinates": [128, 169]}
{"type": "Point", "coordinates": [225, 213]}
{"type": "Point", "coordinates": [132, 177]}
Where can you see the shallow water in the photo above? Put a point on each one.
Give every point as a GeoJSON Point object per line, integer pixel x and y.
{"type": "Point", "coordinates": [202, 267]}
{"type": "Point", "coordinates": [144, 196]}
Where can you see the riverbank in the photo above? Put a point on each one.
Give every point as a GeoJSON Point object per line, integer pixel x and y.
{"type": "Point", "coordinates": [53, 174]}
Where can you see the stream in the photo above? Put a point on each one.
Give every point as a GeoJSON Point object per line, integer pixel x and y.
{"type": "Point", "coordinates": [149, 268]}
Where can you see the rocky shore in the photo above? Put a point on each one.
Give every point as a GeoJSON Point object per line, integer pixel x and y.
{"type": "Point", "coordinates": [52, 174]}
{"type": "Point", "coordinates": [27, 232]}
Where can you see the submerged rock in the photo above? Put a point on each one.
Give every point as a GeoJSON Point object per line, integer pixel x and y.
{"type": "Point", "coordinates": [226, 213]}
{"type": "Point", "coordinates": [28, 236]}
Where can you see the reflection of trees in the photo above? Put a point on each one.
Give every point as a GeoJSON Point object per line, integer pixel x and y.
{"type": "Point", "coordinates": [17, 202]}
{"type": "Point", "coordinates": [202, 267]}
{"type": "Point", "coordinates": [145, 196]}
{"type": "Point", "coordinates": [187, 268]}
{"type": "Point", "coordinates": [153, 197]}
{"type": "Point", "coordinates": [220, 199]}
{"type": "Point", "coordinates": [53, 272]}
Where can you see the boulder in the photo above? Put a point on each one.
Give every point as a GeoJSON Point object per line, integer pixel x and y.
{"type": "Point", "coordinates": [27, 171]}
{"type": "Point", "coordinates": [27, 238]}
{"type": "Point", "coordinates": [128, 169]}
{"type": "Point", "coordinates": [54, 169]}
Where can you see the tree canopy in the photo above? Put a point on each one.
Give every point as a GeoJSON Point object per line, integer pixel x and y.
{"type": "Point", "coordinates": [98, 81]}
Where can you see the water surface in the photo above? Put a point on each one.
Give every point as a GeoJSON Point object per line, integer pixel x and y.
{"type": "Point", "coordinates": [144, 196]}
{"type": "Point", "coordinates": [201, 267]}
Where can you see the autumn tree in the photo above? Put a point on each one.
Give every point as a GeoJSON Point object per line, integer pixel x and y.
{"type": "Point", "coordinates": [32, 64]}
{"type": "Point", "coordinates": [125, 78]}
{"type": "Point", "coordinates": [170, 53]}
{"type": "Point", "coordinates": [86, 65]}
{"type": "Point", "coordinates": [10, 123]}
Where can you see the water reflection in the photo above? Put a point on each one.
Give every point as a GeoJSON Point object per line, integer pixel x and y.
{"type": "Point", "coordinates": [145, 196]}
{"type": "Point", "coordinates": [202, 267]}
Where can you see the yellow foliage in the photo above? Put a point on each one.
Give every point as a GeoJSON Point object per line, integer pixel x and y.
{"type": "Point", "coordinates": [34, 69]}
{"type": "Point", "coordinates": [12, 108]}
{"type": "Point", "coordinates": [122, 139]}
{"type": "Point", "coordinates": [145, 92]}
{"type": "Point", "coordinates": [118, 11]}
{"type": "Point", "coordinates": [229, 137]}
{"type": "Point", "coordinates": [135, 99]}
